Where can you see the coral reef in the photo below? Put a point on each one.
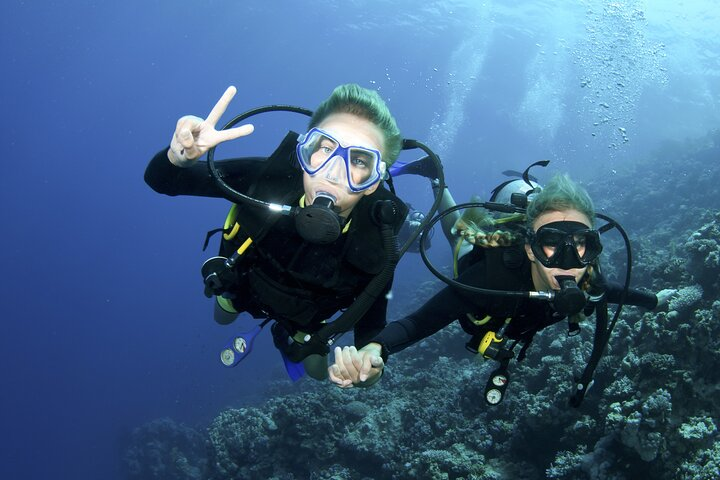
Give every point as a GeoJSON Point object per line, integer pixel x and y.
{"type": "Point", "coordinates": [165, 450]}
{"type": "Point", "coordinates": [703, 247]}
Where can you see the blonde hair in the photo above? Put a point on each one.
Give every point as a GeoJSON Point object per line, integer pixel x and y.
{"type": "Point", "coordinates": [560, 194]}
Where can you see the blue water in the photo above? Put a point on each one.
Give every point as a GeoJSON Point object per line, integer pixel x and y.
{"type": "Point", "coordinates": [103, 323]}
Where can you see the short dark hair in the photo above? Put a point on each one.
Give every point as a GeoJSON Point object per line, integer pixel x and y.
{"type": "Point", "coordinates": [356, 100]}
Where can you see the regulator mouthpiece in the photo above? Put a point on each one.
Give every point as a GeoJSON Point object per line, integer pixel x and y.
{"type": "Point", "coordinates": [570, 300]}
{"type": "Point", "coordinates": [319, 223]}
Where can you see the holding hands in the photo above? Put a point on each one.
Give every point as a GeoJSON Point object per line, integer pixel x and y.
{"type": "Point", "coordinates": [194, 136]}
{"type": "Point", "coordinates": [355, 367]}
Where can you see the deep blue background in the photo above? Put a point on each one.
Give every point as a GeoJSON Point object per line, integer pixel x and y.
{"type": "Point", "coordinates": [104, 326]}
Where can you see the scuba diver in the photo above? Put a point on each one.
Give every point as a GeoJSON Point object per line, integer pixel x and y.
{"type": "Point", "coordinates": [512, 283]}
{"type": "Point", "coordinates": [424, 167]}
{"type": "Point", "coordinates": [312, 230]}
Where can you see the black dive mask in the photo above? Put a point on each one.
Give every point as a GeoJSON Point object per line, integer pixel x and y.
{"type": "Point", "coordinates": [565, 245]}
{"type": "Point", "coordinates": [570, 299]}
{"type": "Point", "coordinates": [319, 223]}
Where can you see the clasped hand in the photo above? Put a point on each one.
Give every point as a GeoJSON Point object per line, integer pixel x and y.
{"type": "Point", "coordinates": [355, 367]}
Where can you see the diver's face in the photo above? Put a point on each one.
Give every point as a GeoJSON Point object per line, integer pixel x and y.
{"type": "Point", "coordinates": [544, 277]}
{"type": "Point", "coordinates": [349, 129]}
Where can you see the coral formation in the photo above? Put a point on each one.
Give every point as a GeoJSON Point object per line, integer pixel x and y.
{"type": "Point", "coordinates": [686, 298]}
{"type": "Point", "coordinates": [165, 450]}
{"type": "Point", "coordinates": [703, 247]}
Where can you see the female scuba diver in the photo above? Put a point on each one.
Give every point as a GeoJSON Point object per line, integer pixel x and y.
{"type": "Point", "coordinates": [557, 254]}
{"type": "Point", "coordinates": [335, 251]}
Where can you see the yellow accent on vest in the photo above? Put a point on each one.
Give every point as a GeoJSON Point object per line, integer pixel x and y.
{"type": "Point", "coordinates": [474, 319]}
{"type": "Point", "coordinates": [244, 246]}
{"type": "Point", "coordinates": [231, 220]}
{"type": "Point", "coordinates": [486, 341]}
{"type": "Point", "coordinates": [233, 232]}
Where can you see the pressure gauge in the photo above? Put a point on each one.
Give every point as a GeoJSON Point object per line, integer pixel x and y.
{"type": "Point", "coordinates": [493, 396]}
{"type": "Point", "coordinates": [240, 344]}
{"type": "Point", "coordinates": [227, 357]}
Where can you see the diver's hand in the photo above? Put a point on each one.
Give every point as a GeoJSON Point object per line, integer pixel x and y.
{"type": "Point", "coordinates": [354, 367]}
{"type": "Point", "coordinates": [664, 297]}
{"type": "Point", "coordinates": [194, 136]}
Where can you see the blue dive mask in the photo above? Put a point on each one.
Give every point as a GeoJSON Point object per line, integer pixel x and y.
{"type": "Point", "coordinates": [321, 153]}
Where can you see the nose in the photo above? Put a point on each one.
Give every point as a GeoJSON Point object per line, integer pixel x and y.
{"type": "Point", "coordinates": [335, 170]}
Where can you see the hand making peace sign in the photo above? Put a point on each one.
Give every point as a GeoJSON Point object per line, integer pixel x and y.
{"type": "Point", "coordinates": [194, 136]}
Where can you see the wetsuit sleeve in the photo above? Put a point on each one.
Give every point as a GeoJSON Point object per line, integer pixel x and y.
{"type": "Point", "coordinates": [437, 313]}
{"type": "Point", "coordinates": [635, 297]}
{"type": "Point", "coordinates": [165, 177]}
{"type": "Point", "coordinates": [373, 321]}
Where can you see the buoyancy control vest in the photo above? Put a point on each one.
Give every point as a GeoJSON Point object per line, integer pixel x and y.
{"type": "Point", "coordinates": [286, 278]}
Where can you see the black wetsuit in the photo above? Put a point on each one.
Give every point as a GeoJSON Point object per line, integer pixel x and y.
{"type": "Point", "coordinates": [295, 282]}
{"type": "Point", "coordinates": [505, 268]}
